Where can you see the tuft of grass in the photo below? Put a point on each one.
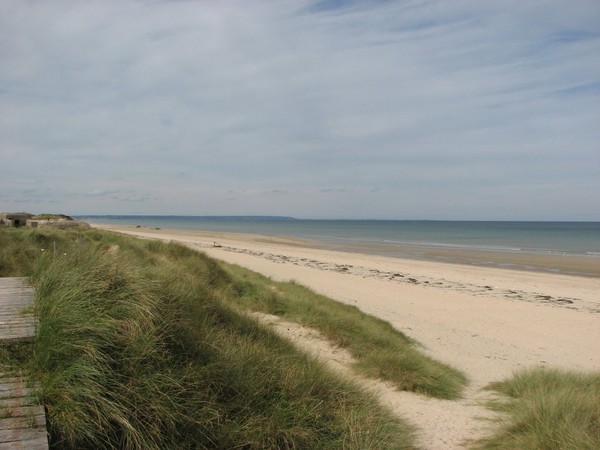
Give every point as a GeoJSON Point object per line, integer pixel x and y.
{"type": "Point", "coordinates": [13, 357]}
{"type": "Point", "coordinates": [381, 351]}
{"type": "Point", "coordinates": [546, 409]}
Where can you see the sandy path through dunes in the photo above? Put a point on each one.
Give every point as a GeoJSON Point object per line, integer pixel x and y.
{"type": "Point", "coordinates": [486, 322]}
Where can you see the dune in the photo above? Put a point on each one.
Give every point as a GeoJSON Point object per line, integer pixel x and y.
{"type": "Point", "coordinates": [487, 322]}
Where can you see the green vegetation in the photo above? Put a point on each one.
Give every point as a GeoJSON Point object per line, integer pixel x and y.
{"type": "Point", "coordinates": [21, 248]}
{"type": "Point", "coordinates": [547, 409]}
{"type": "Point", "coordinates": [380, 350]}
{"type": "Point", "coordinates": [139, 346]}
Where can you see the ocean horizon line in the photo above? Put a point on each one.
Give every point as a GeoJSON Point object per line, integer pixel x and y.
{"type": "Point", "coordinates": [293, 218]}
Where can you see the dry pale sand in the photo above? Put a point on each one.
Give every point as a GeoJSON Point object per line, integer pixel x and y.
{"type": "Point", "coordinates": [487, 322]}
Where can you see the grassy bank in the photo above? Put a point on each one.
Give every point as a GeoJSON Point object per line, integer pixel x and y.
{"type": "Point", "coordinates": [381, 351]}
{"type": "Point", "coordinates": [139, 347]}
{"type": "Point", "coordinates": [547, 409]}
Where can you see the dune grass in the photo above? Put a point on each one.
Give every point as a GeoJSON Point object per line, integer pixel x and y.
{"type": "Point", "coordinates": [547, 409]}
{"type": "Point", "coordinates": [138, 346]}
{"type": "Point", "coordinates": [20, 249]}
{"type": "Point", "coordinates": [381, 351]}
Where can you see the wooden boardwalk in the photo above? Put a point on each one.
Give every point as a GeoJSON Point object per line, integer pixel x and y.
{"type": "Point", "coordinates": [22, 422]}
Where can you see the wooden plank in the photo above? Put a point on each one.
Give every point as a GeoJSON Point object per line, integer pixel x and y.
{"type": "Point", "coordinates": [16, 304]}
{"type": "Point", "coordinates": [6, 404]}
{"type": "Point", "coordinates": [21, 434]}
{"type": "Point", "coordinates": [39, 443]}
{"type": "Point", "coordinates": [19, 321]}
{"type": "Point", "coordinates": [17, 324]}
{"type": "Point", "coordinates": [16, 334]}
{"type": "Point", "coordinates": [22, 280]}
{"type": "Point", "coordinates": [10, 378]}
{"type": "Point", "coordinates": [25, 412]}
{"type": "Point", "coordinates": [38, 420]}
{"type": "Point", "coordinates": [13, 318]}
{"type": "Point", "coordinates": [23, 322]}
{"type": "Point", "coordinates": [15, 393]}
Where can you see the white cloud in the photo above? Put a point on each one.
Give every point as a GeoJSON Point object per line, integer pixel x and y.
{"type": "Point", "coordinates": [303, 108]}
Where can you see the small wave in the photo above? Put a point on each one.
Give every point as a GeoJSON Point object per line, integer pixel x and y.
{"type": "Point", "coordinates": [483, 247]}
{"type": "Point", "coordinates": [491, 248]}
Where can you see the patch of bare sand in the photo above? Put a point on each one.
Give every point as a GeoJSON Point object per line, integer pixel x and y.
{"type": "Point", "coordinates": [486, 322]}
{"type": "Point", "coordinates": [437, 420]}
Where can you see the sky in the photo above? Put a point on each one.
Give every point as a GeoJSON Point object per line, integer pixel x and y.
{"type": "Point", "coordinates": [407, 109]}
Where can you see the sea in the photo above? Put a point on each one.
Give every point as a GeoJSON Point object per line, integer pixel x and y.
{"type": "Point", "coordinates": [399, 238]}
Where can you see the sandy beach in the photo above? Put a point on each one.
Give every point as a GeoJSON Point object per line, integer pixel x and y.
{"type": "Point", "coordinates": [487, 322]}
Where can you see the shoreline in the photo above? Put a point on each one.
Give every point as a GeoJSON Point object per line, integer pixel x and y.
{"type": "Point", "coordinates": [572, 265]}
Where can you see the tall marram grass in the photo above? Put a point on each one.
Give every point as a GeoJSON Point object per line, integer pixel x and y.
{"type": "Point", "coordinates": [138, 347]}
{"type": "Point", "coordinates": [381, 351]}
{"type": "Point", "coordinates": [547, 409]}
{"type": "Point", "coordinates": [20, 248]}
{"type": "Point", "coordinates": [100, 353]}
